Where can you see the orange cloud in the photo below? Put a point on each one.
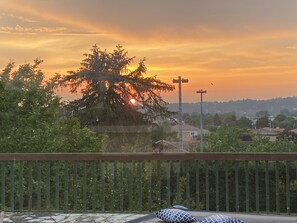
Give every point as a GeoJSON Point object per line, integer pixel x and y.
{"type": "Point", "coordinates": [242, 59]}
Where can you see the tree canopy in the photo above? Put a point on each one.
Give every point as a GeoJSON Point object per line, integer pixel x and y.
{"type": "Point", "coordinates": [108, 83]}
{"type": "Point", "coordinates": [31, 115]}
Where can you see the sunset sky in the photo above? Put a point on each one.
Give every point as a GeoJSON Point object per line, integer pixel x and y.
{"type": "Point", "coordinates": [234, 49]}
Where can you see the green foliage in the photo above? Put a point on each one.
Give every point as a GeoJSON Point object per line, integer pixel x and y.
{"type": "Point", "coordinates": [162, 130]}
{"type": "Point", "coordinates": [233, 139]}
{"type": "Point", "coordinates": [226, 139]}
{"type": "Point", "coordinates": [67, 135]}
{"type": "Point", "coordinates": [283, 121]}
{"type": "Point", "coordinates": [192, 119]}
{"type": "Point", "coordinates": [31, 115]}
{"type": "Point", "coordinates": [262, 122]}
{"type": "Point", "coordinates": [107, 84]}
{"type": "Point", "coordinates": [244, 122]}
{"type": "Point", "coordinates": [217, 120]}
{"type": "Point", "coordinates": [229, 119]}
{"type": "Point", "coordinates": [211, 122]}
{"type": "Point", "coordinates": [133, 142]}
{"type": "Point", "coordinates": [262, 144]}
{"type": "Point", "coordinates": [261, 114]}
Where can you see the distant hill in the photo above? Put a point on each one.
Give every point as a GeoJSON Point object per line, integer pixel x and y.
{"type": "Point", "coordinates": [246, 107]}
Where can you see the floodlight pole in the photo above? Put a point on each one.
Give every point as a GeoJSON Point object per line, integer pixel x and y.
{"type": "Point", "coordinates": [201, 92]}
{"type": "Point", "coordinates": [180, 81]}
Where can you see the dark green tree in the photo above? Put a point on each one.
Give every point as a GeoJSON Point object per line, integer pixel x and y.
{"type": "Point", "coordinates": [227, 139]}
{"type": "Point", "coordinates": [187, 118]}
{"type": "Point", "coordinates": [284, 121]}
{"type": "Point", "coordinates": [30, 115]}
{"type": "Point", "coordinates": [217, 120]}
{"type": "Point", "coordinates": [244, 122]}
{"type": "Point", "coordinates": [285, 112]}
{"type": "Point", "coordinates": [229, 119]}
{"type": "Point", "coordinates": [261, 114]}
{"type": "Point", "coordinates": [195, 117]}
{"type": "Point", "coordinates": [107, 84]}
{"type": "Point", "coordinates": [207, 121]}
{"type": "Point", "coordinates": [262, 122]}
{"type": "Point", "coordinates": [162, 130]}
{"type": "Point", "coordinates": [262, 119]}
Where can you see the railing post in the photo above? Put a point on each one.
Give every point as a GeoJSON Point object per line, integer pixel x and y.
{"type": "Point", "coordinates": [3, 185]}
{"type": "Point", "coordinates": [139, 174]}
{"type": "Point", "coordinates": [207, 185]}
{"type": "Point", "coordinates": [84, 186]}
{"type": "Point", "coordinates": [277, 205]}
{"type": "Point", "coordinates": [66, 182]}
{"type": "Point", "coordinates": [288, 187]}
{"type": "Point", "coordinates": [217, 186]}
{"type": "Point", "coordinates": [39, 185]}
{"type": "Point", "coordinates": [75, 184]}
{"type": "Point", "coordinates": [12, 185]}
{"type": "Point", "coordinates": [159, 184]}
{"type": "Point", "coordinates": [48, 185]}
{"type": "Point", "coordinates": [267, 186]}
{"type": "Point", "coordinates": [247, 195]}
{"type": "Point", "coordinates": [21, 186]}
{"type": "Point", "coordinates": [197, 185]}
{"type": "Point", "coordinates": [236, 187]}
{"type": "Point", "coordinates": [102, 197]}
{"type": "Point", "coordinates": [226, 186]}
{"type": "Point", "coordinates": [57, 183]}
{"type": "Point", "coordinates": [111, 185]}
{"type": "Point", "coordinates": [121, 185]}
{"type": "Point", "coordinates": [30, 186]}
{"type": "Point", "coordinates": [178, 197]}
{"type": "Point", "coordinates": [94, 186]}
{"type": "Point", "coordinates": [187, 183]}
{"type": "Point", "coordinates": [168, 183]}
{"type": "Point", "coordinates": [149, 186]}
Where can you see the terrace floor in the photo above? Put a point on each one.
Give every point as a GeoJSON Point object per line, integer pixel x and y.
{"type": "Point", "coordinates": [130, 217]}
{"type": "Point", "coordinates": [24, 217]}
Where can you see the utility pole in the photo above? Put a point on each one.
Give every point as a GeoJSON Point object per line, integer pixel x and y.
{"type": "Point", "coordinates": [180, 81]}
{"type": "Point", "coordinates": [201, 92]}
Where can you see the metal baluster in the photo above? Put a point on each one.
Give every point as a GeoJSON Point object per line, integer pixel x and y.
{"type": "Point", "coordinates": [247, 196]}
{"type": "Point", "coordinates": [267, 186]}
{"type": "Point", "coordinates": [168, 183]}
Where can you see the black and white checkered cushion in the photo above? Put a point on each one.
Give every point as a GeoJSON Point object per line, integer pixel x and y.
{"type": "Point", "coordinates": [171, 215]}
{"type": "Point", "coordinates": [220, 219]}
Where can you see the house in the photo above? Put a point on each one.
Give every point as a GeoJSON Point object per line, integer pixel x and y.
{"type": "Point", "coordinates": [293, 131]}
{"type": "Point", "coordinates": [271, 133]}
{"type": "Point", "coordinates": [191, 136]}
{"type": "Point", "coordinates": [292, 135]}
{"type": "Point", "coordinates": [165, 146]}
{"type": "Point", "coordinates": [190, 133]}
{"type": "Point", "coordinates": [170, 146]}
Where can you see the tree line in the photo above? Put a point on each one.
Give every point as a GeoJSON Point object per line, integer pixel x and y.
{"type": "Point", "coordinates": [34, 119]}
{"type": "Point", "coordinates": [262, 119]}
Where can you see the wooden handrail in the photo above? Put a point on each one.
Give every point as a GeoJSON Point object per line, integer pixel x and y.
{"type": "Point", "coordinates": [149, 156]}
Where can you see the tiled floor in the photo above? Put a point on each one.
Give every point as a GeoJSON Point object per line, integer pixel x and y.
{"type": "Point", "coordinates": [130, 217]}
{"type": "Point", "coordinates": [69, 218]}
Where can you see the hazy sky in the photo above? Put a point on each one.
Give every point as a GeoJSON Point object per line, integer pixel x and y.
{"type": "Point", "coordinates": [234, 49]}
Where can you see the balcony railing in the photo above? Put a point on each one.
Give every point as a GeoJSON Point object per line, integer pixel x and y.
{"type": "Point", "coordinates": [97, 182]}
